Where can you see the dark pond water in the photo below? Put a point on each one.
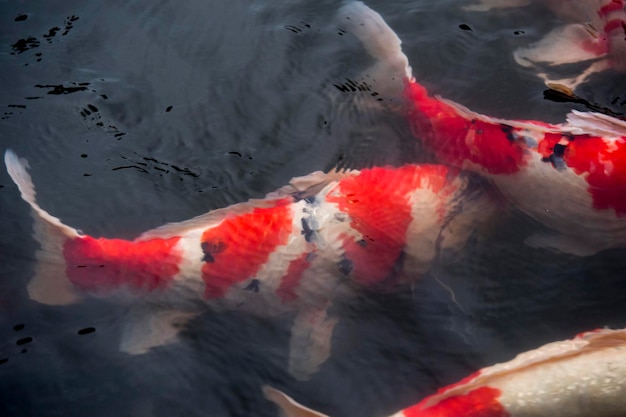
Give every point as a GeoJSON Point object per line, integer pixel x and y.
{"type": "Point", "coordinates": [137, 113]}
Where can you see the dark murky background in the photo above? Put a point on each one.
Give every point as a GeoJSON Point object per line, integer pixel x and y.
{"type": "Point", "coordinates": [137, 113]}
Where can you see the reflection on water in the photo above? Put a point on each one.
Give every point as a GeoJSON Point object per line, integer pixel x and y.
{"type": "Point", "coordinates": [134, 114]}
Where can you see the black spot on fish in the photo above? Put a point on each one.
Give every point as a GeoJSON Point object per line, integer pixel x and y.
{"type": "Point", "coordinates": [556, 157]}
{"type": "Point", "coordinates": [463, 26]}
{"type": "Point", "coordinates": [362, 243]}
{"type": "Point", "coordinates": [86, 330]}
{"type": "Point", "coordinates": [24, 350]}
{"type": "Point", "coordinates": [253, 285]}
{"type": "Point", "coordinates": [21, 18]}
{"type": "Point", "coordinates": [345, 266]}
{"type": "Point", "coordinates": [212, 248]}
{"type": "Point", "coordinates": [306, 230]}
{"type": "Point", "coordinates": [3, 361]}
{"type": "Point", "coordinates": [559, 150]}
{"type": "Point", "coordinates": [558, 162]}
{"type": "Point", "coordinates": [508, 131]}
{"type": "Point", "coordinates": [19, 327]}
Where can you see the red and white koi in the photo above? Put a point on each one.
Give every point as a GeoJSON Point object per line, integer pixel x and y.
{"type": "Point", "coordinates": [581, 377]}
{"type": "Point", "coordinates": [597, 34]}
{"type": "Point", "coordinates": [297, 250]}
{"type": "Point", "coordinates": [570, 177]}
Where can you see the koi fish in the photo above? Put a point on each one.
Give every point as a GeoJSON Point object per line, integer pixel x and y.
{"type": "Point", "coordinates": [597, 34]}
{"type": "Point", "coordinates": [298, 250]}
{"type": "Point", "coordinates": [581, 377]}
{"type": "Point", "coordinates": [570, 177]}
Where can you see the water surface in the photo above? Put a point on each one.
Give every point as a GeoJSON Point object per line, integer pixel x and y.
{"type": "Point", "coordinates": [137, 113]}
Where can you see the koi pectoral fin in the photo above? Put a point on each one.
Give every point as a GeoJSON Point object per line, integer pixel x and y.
{"type": "Point", "coordinates": [310, 343]}
{"type": "Point", "coordinates": [287, 405]}
{"type": "Point", "coordinates": [148, 328]}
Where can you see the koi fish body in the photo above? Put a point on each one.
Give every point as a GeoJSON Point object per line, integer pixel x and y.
{"type": "Point", "coordinates": [596, 33]}
{"type": "Point", "coordinates": [570, 177]}
{"type": "Point", "coordinates": [297, 250]}
{"type": "Point", "coordinates": [581, 377]}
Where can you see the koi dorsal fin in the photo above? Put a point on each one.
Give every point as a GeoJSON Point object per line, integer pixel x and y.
{"type": "Point", "coordinates": [596, 124]}
{"type": "Point", "coordinates": [309, 185]}
{"type": "Point", "coordinates": [298, 188]}
{"type": "Point", "coordinates": [202, 221]}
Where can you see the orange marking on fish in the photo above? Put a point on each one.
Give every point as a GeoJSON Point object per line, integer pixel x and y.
{"type": "Point", "coordinates": [546, 146]}
{"type": "Point", "coordinates": [602, 163]}
{"type": "Point", "coordinates": [611, 25]}
{"type": "Point", "coordinates": [598, 47]}
{"type": "Point", "coordinates": [236, 249]}
{"type": "Point", "coordinates": [613, 6]}
{"type": "Point", "coordinates": [457, 139]}
{"type": "Point", "coordinates": [288, 284]}
{"type": "Point", "coordinates": [480, 402]}
{"type": "Point", "coordinates": [605, 166]}
{"type": "Point", "coordinates": [382, 222]}
{"type": "Point", "coordinates": [102, 265]}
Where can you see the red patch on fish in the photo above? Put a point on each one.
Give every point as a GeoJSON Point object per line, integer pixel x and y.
{"type": "Point", "coordinates": [236, 249]}
{"type": "Point", "coordinates": [582, 335]}
{"type": "Point", "coordinates": [456, 139]}
{"type": "Point", "coordinates": [288, 284]}
{"type": "Point", "coordinates": [614, 24]}
{"type": "Point", "coordinates": [382, 222]}
{"type": "Point", "coordinates": [480, 402]}
{"type": "Point", "coordinates": [102, 265]}
{"type": "Point", "coordinates": [601, 162]}
{"type": "Point", "coordinates": [613, 6]}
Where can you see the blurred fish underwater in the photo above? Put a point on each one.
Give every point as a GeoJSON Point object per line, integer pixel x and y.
{"type": "Point", "coordinates": [152, 113]}
{"type": "Point", "coordinates": [593, 34]}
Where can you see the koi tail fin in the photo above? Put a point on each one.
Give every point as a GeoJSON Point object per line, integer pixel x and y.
{"type": "Point", "coordinates": [392, 68]}
{"type": "Point", "coordinates": [287, 405]}
{"type": "Point", "coordinates": [49, 284]}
